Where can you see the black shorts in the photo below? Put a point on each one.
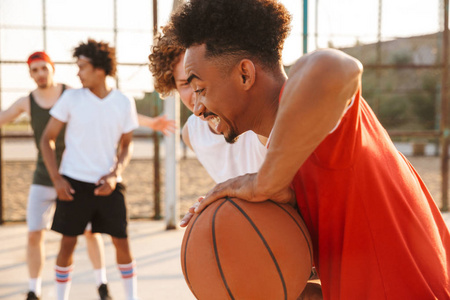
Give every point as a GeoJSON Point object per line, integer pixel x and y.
{"type": "Point", "coordinates": [108, 214]}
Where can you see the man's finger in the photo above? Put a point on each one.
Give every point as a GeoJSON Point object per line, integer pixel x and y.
{"type": "Point", "coordinates": [193, 207]}
{"type": "Point", "coordinates": [66, 196]}
{"type": "Point", "coordinates": [207, 201]}
{"type": "Point", "coordinates": [185, 221]}
{"type": "Point", "coordinates": [220, 191]}
{"type": "Point", "coordinates": [103, 190]}
{"type": "Point", "coordinates": [100, 190]}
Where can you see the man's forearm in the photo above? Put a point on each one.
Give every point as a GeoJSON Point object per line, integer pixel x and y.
{"type": "Point", "coordinates": [123, 158]}
{"type": "Point", "coordinates": [145, 121]}
{"type": "Point", "coordinates": [49, 156]}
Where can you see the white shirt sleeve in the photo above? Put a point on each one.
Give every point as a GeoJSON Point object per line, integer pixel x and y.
{"type": "Point", "coordinates": [192, 132]}
{"type": "Point", "coordinates": [61, 109]}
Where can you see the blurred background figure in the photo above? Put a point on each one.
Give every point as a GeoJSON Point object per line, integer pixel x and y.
{"type": "Point", "coordinates": [42, 195]}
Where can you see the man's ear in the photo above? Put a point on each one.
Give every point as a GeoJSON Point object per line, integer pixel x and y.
{"type": "Point", "coordinates": [247, 73]}
{"type": "Point", "coordinates": [100, 72]}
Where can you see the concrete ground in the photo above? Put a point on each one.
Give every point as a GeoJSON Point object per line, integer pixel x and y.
{"type": "Point", "coordinates": [157, 253]}
{"type": "Point", "coordinates": [156, 250]}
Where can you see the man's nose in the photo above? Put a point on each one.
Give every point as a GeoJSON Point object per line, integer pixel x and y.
{"type": "Point", "coordinates": [193, 98]}
{"type": "Point", "coordinates": [198, 106]}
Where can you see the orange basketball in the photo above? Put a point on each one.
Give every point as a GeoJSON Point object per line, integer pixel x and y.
{"type": "Point", "coordinates": [235, 249]}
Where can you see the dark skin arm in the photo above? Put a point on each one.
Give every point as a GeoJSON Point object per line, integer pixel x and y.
{"type": "Point", "coordinates": [107, 183]}
{"type": "Point", "coordinates": [47, 144]}
{"type": "Point", "coordinates": [320, 86]}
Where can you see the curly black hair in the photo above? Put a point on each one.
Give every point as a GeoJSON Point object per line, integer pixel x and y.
{"type": "Point", "coordinates": [255, 28]}
{"type": "Point", "coordinates": [102, 56]}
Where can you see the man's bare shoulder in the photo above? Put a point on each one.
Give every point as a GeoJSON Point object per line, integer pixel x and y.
{"type": "Point", "coordinates": [23, 98]}
{"type": "Point", "coordinates": [324, 60]}
{"type": "Point", "coordinates": [23, 102]}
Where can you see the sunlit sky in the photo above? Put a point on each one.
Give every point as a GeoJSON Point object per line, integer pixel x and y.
{"type": "Point", "coordinates": [68, 22]}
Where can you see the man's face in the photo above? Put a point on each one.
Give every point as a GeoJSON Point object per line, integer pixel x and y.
{"type": "Point", "coordinates": [89, 76]}
{"type": "Point", "coordinates": [184, 89]}
{"type": "Point", "coordinates": [42, 73]}
{"type": "Point", "coordinates": [217, 96]}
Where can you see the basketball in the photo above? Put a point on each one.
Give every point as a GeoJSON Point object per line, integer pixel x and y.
{"type": "Point", "coordinates": [236, 249]}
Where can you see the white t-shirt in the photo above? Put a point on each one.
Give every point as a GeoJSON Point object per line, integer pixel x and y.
{"type": "Point", "coordinates": [223, 160]}
{"type": "Point", "coordinates": [93, 131]}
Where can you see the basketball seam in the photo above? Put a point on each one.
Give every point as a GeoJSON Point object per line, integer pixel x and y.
{"type": "Point", "coordinates": [185, 254]}
{"type": "Point", "coordinates": [216, 252]}
{"type": "Point", "coordinates": [300, 227]}
{"type": "Point", "coordinates": [264, 242]}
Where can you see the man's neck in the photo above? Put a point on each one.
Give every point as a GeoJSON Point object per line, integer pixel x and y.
{"type": "Point", "coordinates": [48, 88]}
{"type": "Point", "coordinates": [101, 90]}
{"type": "Point", "coordinates": [47, 96]}
{"type": "Point", "coordinates": [266, 111]}
{"type": "Point", "coordinates": [47, 91]}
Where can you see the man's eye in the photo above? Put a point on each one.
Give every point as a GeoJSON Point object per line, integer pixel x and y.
{"type": "Point", "coordinates": [199, 91]}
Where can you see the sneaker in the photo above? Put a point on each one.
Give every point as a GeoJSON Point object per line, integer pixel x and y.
{"type": "Point", "coordinates": [32, 296]}
{"type": "Point", "coordinates": [103, 292]}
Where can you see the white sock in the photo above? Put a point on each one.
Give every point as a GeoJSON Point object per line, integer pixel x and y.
{"type": "Point", "coordinates": [128, 273]}
{"type": "Point", "coordinates": [100, 276]}
{"type": "Point", "coordinates": [34, 285]}
{"type": "Point", "coordinates": [63, 282]}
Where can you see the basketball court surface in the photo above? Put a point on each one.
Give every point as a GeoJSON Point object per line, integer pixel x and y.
{"type": "Point", "coordinates": [157, 253]}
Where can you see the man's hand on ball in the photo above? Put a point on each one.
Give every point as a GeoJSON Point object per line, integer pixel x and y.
{"type": "Point", "coordinates": [239, 187]}
{"type": "Point", "coordinates": [245, 187]}
{"type": "Point", "coordinates": [187, 217]}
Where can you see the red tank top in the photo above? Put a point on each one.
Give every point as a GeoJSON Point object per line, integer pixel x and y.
{"type": "Point", "coordinates": [376, 231]}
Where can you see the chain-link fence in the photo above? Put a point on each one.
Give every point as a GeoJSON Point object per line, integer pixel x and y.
{"type": "Point", "coordinates": [402, 45]}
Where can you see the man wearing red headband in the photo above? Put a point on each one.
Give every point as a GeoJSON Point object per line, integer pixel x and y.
{"type": "Point", "coordinates": [42, 195]}
{"type": "Point", "coordinates": [40, 55]}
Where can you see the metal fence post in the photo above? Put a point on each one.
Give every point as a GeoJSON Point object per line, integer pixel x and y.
{"type": "Point", "coordinates": [156, 162]}
{"type": "Point", "coordinates": [445, 131]}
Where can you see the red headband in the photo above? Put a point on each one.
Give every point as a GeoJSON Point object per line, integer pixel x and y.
{"type": "Point", "coordinates": [40, 56]}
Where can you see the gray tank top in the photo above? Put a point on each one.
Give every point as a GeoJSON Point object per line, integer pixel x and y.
{"type": "Point", "coordinates": [39, 119]}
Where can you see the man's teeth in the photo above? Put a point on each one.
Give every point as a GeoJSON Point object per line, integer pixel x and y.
{"type": "Point", "coordinates": [215, 120]}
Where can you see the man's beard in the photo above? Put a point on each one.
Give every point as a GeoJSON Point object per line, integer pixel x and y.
{"type": "Point", "coordinates": [43, 85]}
{"type": "Point", "coordinates": [232, 136]}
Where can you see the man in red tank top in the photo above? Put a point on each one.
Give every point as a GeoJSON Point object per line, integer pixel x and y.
{"type": "Point", "coordinates": [376, 230]}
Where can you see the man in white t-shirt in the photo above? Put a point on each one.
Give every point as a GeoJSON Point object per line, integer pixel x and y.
{"type": "Point", "coordinates": [99, 126]}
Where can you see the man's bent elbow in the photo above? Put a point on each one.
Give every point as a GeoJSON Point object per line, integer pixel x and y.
{"type": "Point", "coordinates": [336, 62]}
{"type": "Point", "coordinates": [46, 142]}
{"type": "Point", "coordinates": [339, 71]}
